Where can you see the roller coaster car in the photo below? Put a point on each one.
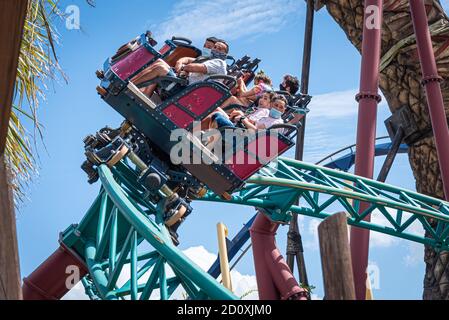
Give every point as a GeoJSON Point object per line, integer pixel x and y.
{"type": "Point", "coordinates": [137, 55]}
{"type": "Point", "coordinates": [156, 122]}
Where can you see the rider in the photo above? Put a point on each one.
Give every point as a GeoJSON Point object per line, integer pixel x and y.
{"type": "Point", "coordinates": [195, 71]}
{"type": "Point", "coordinates": [278, 107]}
{"type": "Point", "coordinates": [289, 84]}
{"type": "Point", "coordinates": [244, 97]}
{"type": "Point", "coordinates": [209, 44]}
{"type": "Point", "coordinates": [263, 108]}
{"type": "Point", "coordinates": [200, 71]}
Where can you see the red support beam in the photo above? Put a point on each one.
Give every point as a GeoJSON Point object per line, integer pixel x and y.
{"type": "Point", "coordinates": [368, 99]}
{"type": "Point", "coordinates": [274, 278]}
{"type": "Point", "coordinates": [49, 280]}
{"type": "Point", "coordinates": [431, 82]}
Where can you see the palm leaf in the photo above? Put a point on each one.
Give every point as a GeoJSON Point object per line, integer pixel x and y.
{"type": "Point", "coordinates": [38, 64]}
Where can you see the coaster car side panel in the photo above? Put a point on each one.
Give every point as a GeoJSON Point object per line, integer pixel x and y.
{"type": "Point", "coordinates": [136, 60]}
{"type": "Point", "coordinates": [254, 153]}
{"type": "Point", "coordinates": [178, 112]}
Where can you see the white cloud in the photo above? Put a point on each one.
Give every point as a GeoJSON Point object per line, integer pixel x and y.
{"type": "Point", "coordinates": [312, 242]}
{"type": "Point", "coordinates": [228, 19]}
{"type": "Point", "coordinates": [415, 254]}
{"type": "Point", "coordinates": [331, 112]}
{"type": "Point", "coordinates": [333, 105]}
{"type": "Point", "coordinates": [243, 285]}
{"type": "Point", "coordinates": [77, 293]}
{"type": "Point", "coordinates": [336, 105]}
{"type": "Point", "coordinates": [315, 297]}
{"type": "Point", "coordinates": [378, 239]}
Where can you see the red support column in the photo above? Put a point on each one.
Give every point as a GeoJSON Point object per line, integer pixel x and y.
{"type": "Point", "coordinates": [48, 281]}
{"type": "Point", "coordinates": [274, 278]}
{"type": "Point", "coordinates": [431, 82]}
{"type": "Point", "coordinates": [368, 99]}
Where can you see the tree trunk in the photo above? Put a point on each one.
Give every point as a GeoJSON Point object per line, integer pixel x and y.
{"type": "Point", "coordinates": [10, 285]}
{"type": "Point", "coordinates": [400, 83]}
{"type": "Point", "coordinates": [336, 258]}
{"type": "Point", "coordinates": [12, 17]}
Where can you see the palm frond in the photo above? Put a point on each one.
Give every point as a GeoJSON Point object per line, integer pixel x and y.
{"type": "Point", "coordinates": [38, 64]}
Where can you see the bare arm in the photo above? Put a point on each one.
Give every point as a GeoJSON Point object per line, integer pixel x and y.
{"type": "Point", "coordinates": [196, 67]}
{"type": "Point", "coordinates": [236, 115]}
{"type": "Point", "coordinates": [241, 85]}
{"type": "Point", "coordinates": [248, 93]}
{"type": "Point", "coordinates": [247, 123]}
{"type": "Point", "coordinates": [181, 61]}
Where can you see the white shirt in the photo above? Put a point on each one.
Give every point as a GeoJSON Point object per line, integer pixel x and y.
{"type": "Point", "coordinates": [267, 122]}
{"type": "Point", "coordinates": [214, 66]}
{"type": "Point", "coordinates": [259, 114]}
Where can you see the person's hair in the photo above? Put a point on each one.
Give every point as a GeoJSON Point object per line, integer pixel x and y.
{"type": "Point", "coordinates": [212, 39]}
{"type": "Point", "coordinates": [225, 43]}
{"type": "Point", "coordinates": [292, 82]}
{"type": "Point", "coordinates": [261, 76]}
{"type": "Point", "coordinates": [271, 94]}
{"type": "Point", "coordinates": [279, 97]}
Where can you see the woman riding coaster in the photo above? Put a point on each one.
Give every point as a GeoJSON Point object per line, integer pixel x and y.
{"type": "Point", "coordinates": [278, 107]}
{"type": "Point", "coordinates": [262, 85]}
{"type": "Point", "coordinates": [262, 110]}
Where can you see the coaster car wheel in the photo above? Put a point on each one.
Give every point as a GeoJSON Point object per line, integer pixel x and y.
{"type": "Point", "coordinates": [177, 216]}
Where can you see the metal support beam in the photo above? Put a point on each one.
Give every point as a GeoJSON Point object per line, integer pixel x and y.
{"type": "Point", "coordinates": [294, 240]}
{"type": "Point", "coordinates": [268, 261]}
{"type": "Point", "coordinates": [49, 280]}
{"type": "Point", "coordinates": [431, 82]}
{"type": "Point", "coordinates": [222, 233]}
{"type": "Point", "coordinates": [368, 98]}
{"type": "Point", "coordinates": [396, 144]}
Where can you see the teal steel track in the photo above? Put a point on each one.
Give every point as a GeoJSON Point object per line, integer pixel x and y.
{"type": "Point", "coordinates": [324, 192]}
{"type": "Point", "coordinates": [123, 228]}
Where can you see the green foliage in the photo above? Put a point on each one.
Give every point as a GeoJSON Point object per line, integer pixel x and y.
{"type": "Point", "coordinates": [37, 64]}
{"type": "Point", "coordinates": [247, 293]}
{"type": "Point", "coordinates": [308, 288]}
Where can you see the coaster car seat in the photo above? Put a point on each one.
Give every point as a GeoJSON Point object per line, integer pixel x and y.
{"type": "Point", "coordinates": [177, 48]}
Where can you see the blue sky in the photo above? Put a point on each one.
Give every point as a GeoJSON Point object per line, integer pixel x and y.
{"type": "Point", "coordinates": [272, 31]}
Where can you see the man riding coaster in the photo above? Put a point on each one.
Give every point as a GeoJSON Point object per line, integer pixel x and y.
{"type": "Point", "coordinates": [195, 71]}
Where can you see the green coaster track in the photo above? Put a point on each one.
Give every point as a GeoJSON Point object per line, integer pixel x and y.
{"type": "Point", "coordinates": [124, 228]}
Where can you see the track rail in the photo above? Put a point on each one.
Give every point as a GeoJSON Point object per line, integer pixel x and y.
{"type": "Point", "coordinates": [123, 229]}
{"type": "Point", "coordinates": [322, 189]}
{"type": "Point", "coordinates": [122, 225]}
